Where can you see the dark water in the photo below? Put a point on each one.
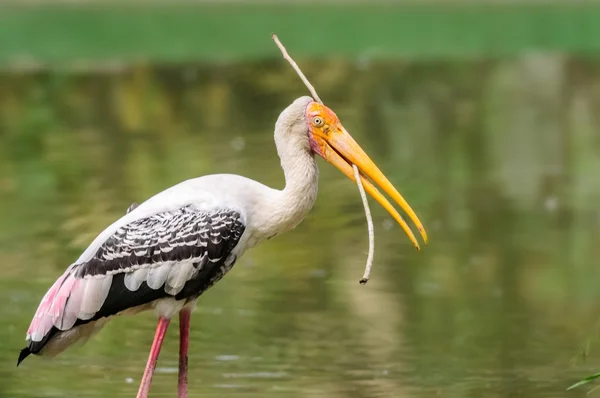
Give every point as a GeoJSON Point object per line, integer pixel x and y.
{"type": "Point", "coordinates": [499, 158]}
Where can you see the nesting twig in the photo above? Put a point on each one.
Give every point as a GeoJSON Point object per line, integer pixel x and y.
{"type": "Point", "coordinates": [287, 57]}
{"type": "Point", "coordinates": [363, 196]}
{"type": "Point", "coordinates": [361, 189]}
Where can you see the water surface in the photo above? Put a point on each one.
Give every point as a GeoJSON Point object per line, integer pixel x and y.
{"type": "Point", "coordinates": [498, 158]}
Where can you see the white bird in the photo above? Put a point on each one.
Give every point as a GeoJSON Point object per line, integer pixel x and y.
{"type": "Point", "coordinates": [165, 252]}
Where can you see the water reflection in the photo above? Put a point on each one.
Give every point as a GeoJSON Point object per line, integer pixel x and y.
{"type": "Point", "coordinates": [499, 165]}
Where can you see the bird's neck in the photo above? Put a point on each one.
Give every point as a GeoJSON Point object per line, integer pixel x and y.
{"type": "Point", "coordinates": [301, 183]}
{"type": "Point", "coordinates": [293, 203]}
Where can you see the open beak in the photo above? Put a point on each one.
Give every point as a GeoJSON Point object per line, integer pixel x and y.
{"type": "Point", "coordinates": [339, 148]}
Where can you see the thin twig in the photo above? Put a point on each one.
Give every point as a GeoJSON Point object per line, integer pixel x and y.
{"type": "Point", "coordinates": [361, 189]}
{"type": "Point", "coordinates": [287, 57]}
{"type": "Point", "coordinates": [363, 196]}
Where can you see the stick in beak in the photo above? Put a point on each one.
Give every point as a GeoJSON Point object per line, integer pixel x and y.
{"type": "Point", "coordinates": [336, 145]}
{"type": "Point", "coordinates": [320, 145]}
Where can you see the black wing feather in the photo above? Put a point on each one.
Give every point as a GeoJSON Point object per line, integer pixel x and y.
{"type": "Point", "coordinates": [177, 235]}
{"type": "Point", "coordinates": [182, 234]}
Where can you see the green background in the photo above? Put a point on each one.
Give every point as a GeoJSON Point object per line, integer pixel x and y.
{"type": "Point", "coordinates": [208, 32]}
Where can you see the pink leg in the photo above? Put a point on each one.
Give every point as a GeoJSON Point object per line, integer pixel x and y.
{"type": "Point", "coordinates": [184, 340]}
{"type": "Point", "coordinates": [159, 336]}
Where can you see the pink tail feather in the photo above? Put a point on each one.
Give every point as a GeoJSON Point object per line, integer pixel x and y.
{"type": "Point", "coordinates": [68, 299]}
{"type": "Point", "coordinates": [49, 309]}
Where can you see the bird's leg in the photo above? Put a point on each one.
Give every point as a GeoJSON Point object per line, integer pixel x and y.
{"type": "Point", "coordinates": [184, 339]}
{"type": "Point", "coordinates": [159, 336]}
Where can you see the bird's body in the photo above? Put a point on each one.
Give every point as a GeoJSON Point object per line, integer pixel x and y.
{"type": "Point", "coordinates": [165, 252]}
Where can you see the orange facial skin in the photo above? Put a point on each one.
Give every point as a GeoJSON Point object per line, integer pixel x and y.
{"type": "Point", "coordinates": [329, 139]}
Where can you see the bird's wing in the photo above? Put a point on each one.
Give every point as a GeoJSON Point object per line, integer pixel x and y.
{"type": "Point", "coordinates": [144, 260]}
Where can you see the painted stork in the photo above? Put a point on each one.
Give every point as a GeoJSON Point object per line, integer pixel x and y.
{"type": "Point", "coordinates": [165, 252]}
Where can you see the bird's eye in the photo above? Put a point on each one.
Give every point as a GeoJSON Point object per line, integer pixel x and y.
{"type": "Point", "coordinates": [318, 121]}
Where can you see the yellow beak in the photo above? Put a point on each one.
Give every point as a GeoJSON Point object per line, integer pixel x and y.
{"type": "Point", "coordinates": [339, 148]}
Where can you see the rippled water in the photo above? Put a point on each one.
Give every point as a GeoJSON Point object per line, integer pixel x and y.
{"type": "Point", "coordinates": [500, 167]}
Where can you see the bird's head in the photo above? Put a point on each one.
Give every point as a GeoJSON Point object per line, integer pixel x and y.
{"type": "Point", "coordinates": [329, 139]}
